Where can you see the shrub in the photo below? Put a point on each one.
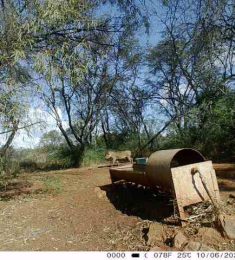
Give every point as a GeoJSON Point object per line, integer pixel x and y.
{"type": "Point", "coordinates": [28, 165]}
{"type": "Point", "coordinates": [8, 167]}
{"type": "Point", "coordinates": [93, 156]}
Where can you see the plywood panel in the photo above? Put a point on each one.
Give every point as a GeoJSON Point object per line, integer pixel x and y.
{"type": "Point", "coordinates": [189, 188]}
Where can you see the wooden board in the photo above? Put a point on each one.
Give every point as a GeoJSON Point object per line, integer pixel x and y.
{"type": "Point", "coordinates": [189, 188]}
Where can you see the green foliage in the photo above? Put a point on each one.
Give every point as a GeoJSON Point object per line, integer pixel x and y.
{"type": "Point", "coordinates": [217, 134]}
{"type": "Point", "coordinates": [51, 139]}
{"type": "Point", "coordinates": [212, 132]}
{"type": "Point", "coordinates": [93, 156]}
{"type": "Point", "coordinates": [66, 41]}
{"type": "Point", "coordinates": [62, 156]}
{"type": "Point", "coordinates": [53, 185]}
{"type": "Point", "coordinates": [8, 167]}
{"type": "Point", "coordinates": [58, 157]}
{"type": "Point", "coordinates": [89, 70]}
{"type": "Point", "coordinates": [131, 142]}
{"type": "Point", "coordinates": [28, 165]}
{"type": "Point", "coordinates": [114, 140]}
{"type": "Point", "coordinates": [125, 141]}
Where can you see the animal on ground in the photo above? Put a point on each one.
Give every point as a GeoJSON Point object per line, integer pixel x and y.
{"type": "Point", "coordinates": [120, 155]}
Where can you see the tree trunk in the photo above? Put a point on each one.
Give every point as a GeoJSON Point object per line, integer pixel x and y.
{"type": "Point", "coordinates": [5, 147]}
{"type": "Point", "coordinates": [78, 154]}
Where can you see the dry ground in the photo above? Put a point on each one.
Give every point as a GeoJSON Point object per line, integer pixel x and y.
{"type": "Point", "coordinates": [64, 210]}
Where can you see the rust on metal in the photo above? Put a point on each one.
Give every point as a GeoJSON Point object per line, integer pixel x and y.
{"type": "Point", "coordinates": [127, 173]}
{"type": "Point", "coordinates": [159, 165]}
{"type": "Point", "coordinates": [174, 171]}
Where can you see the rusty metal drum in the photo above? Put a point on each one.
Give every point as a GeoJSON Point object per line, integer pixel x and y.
{"type": "Point", "coordinates": [158, 168]}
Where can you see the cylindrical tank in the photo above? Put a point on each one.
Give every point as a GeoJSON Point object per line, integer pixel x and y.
{"type": "Point", "coordinates": [158, 168]}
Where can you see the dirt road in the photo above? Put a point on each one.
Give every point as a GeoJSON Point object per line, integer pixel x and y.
{"type": "Point", "coordinates": [78, 209]}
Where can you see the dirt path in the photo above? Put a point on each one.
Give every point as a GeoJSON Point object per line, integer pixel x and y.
{"type": "Point", "coordinates": [65, 210]}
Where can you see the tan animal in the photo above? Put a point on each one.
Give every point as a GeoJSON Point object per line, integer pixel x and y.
{"type": "Point", "coordinates": [115, 156]}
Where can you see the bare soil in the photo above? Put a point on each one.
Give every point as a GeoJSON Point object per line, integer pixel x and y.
{"type": "Point", "coordinates": [79, 209]}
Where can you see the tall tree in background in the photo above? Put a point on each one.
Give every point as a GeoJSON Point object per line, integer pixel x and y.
{"type": "Point", "coordinates": [80, 77]}
{"type": "Point", "coordinates": [77, 94]}
{"type": "Point", "coordinates": [126, 104]}
{"type": "Point", "coordinates": [193, 68]}
{"type": "Point", "coordinates": [34, 31]}
{"type": "Point", "coordinates": [28, 29]}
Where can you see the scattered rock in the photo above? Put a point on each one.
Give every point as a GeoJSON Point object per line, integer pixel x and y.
{"type": "Point", "coordinates": [209, 235]}
{"type": "Point", "coordinates": [197, 246]}
{"type": "Point", "coordinates": [155, 233]}
{"type": "Point", "coordinates": [168, 237]}
{"type": "Point", "coordinates": [232, 196]}
{"type": "Point", "coordinates": [101, 194]}
{"type": "Point", "coordinates": [206, 248]}
{"type": "Point", "coordinates": [192, 246]}
{"type": "Point", "coordinates": [180, 240]}
{"type": "Point", "coordinates": [228, 225]}
{"type": "Point", "coordinates": [230, 201]}
{"type": "Point", "coordinates": [156, 248]}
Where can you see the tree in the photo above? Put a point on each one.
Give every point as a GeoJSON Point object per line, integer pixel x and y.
{"type": "Point", "coordinates": [192, 68]}
{"type": "Point", "coordinates": [27, 29]}
{"type": "Point", "coordinates": [80, 77]}
{"type": "Point", "coordinates": [80, 101]}
{"type": "Point", "coordinates": [51, 140]}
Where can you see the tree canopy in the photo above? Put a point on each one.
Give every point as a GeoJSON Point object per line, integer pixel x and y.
{"type": "Point", "coordinates": [88, 65]}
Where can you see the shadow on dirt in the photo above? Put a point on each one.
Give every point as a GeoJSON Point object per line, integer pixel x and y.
{"type": "Point", "coordinates": [139, 201]}
{"type": "Point", "coordinates": [226, 185]}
